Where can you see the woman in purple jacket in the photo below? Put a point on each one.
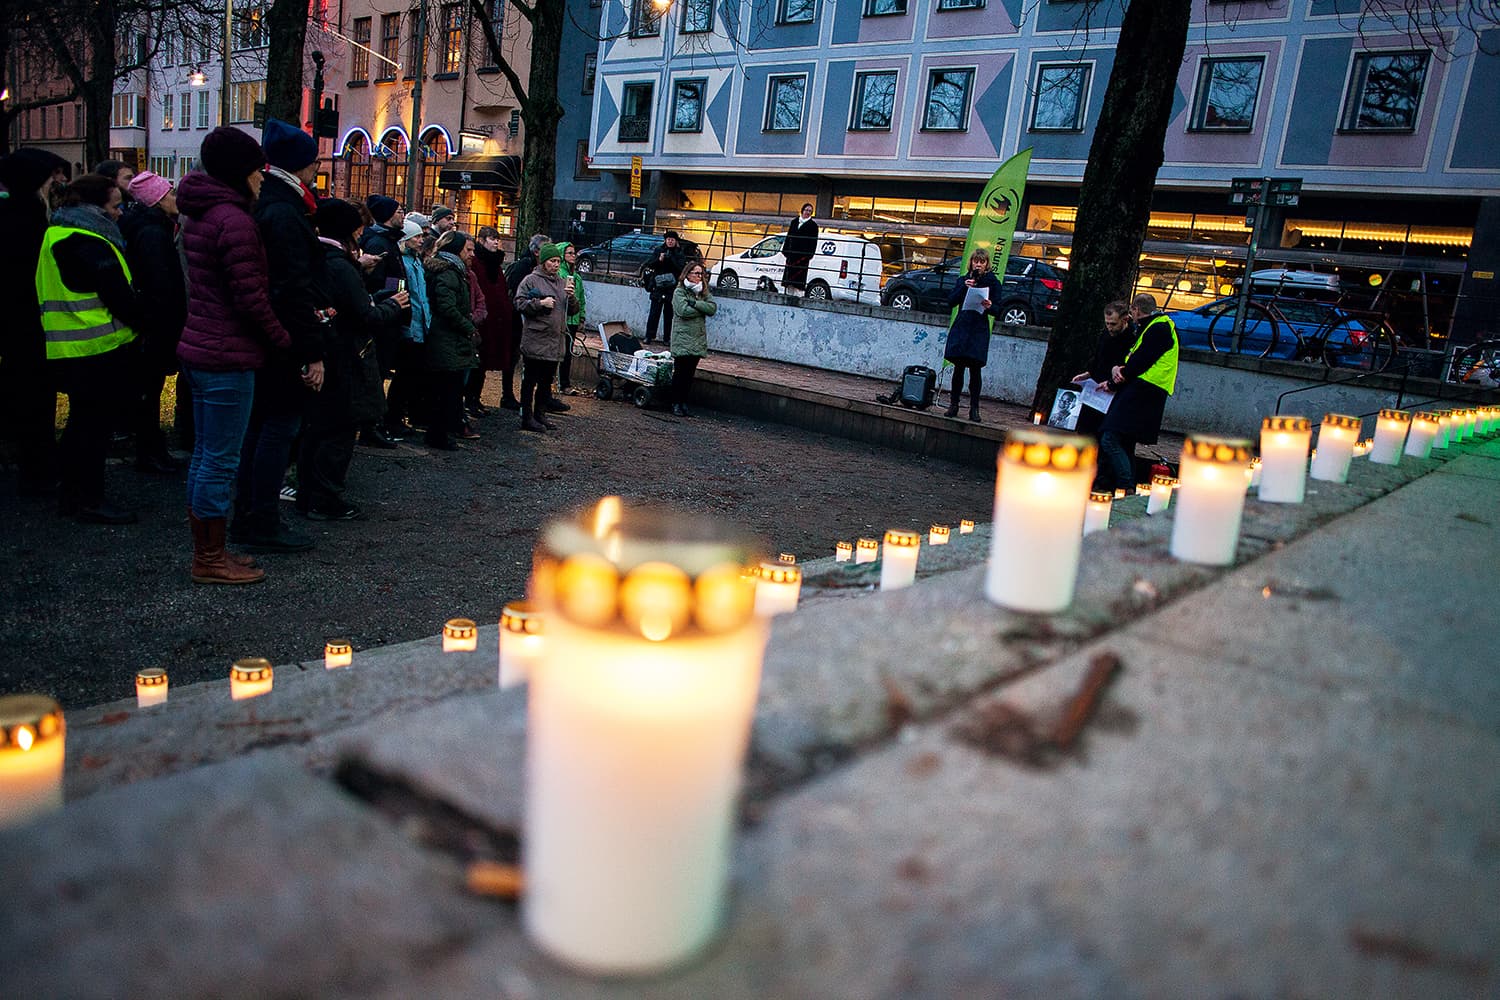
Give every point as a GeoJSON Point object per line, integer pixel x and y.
{"type": "Point", "coordinates": [230, 331]}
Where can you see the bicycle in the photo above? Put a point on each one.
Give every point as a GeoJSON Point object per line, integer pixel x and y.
{"type": "Point", "coordinates": [1477, 364]}
{"type": "Point", "coordinates": [1340, 339]}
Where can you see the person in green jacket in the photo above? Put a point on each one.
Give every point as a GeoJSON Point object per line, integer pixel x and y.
{"type": "Point", "coordinates": [691, 306]}
{"type": "Point", "coordinates": [575, 317]}
{"type": "Point", "coordinates": [451, 338]}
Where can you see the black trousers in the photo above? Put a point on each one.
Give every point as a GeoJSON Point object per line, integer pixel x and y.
{"type": "Point", "coordinates": [683, 370]}
{"type": "Point", "coordinates": [323, 458]}
{"type": "Point", "coordinates": [445, 399]}
{"type": "Point", "coordinates": [973, 368]}
{"type": "Point", "coordinates": [28, 403]}
{"type": "Point", "coordinates": [536, 380]}
{"type": "Point", "coordinates": [408, 385]}
{"type": "Point", "coordinates": [661, 309]}
{"type": "Point", "coordinates": [473, 386]}
{"type": "Point", "coordinates": [98, 390]}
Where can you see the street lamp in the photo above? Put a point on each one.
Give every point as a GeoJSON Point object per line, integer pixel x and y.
{"type": "Point", "coordinates": [197, 77]}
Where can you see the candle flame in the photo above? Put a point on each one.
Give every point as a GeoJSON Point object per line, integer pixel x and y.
{"type": "Point", "coordinates": [24, 738]}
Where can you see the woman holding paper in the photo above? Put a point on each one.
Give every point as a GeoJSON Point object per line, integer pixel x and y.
{"type": "Point", "coordinates": [977, 297]}
{"type": "Point", "coordinates": [1114, 345]}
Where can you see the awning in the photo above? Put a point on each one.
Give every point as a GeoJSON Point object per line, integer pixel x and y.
{"type": "Point", "coordinates": [481, 173]}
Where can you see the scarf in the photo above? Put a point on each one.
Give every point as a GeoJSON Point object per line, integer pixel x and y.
{"type": "Point", "coordinates": [295, 182]}
{"type": "Point", "coordinates": [454, 260]}
{"type": "Point", "coordinates": [92, 219]}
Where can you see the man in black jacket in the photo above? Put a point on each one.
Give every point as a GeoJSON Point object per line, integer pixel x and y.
{"type": "Point", "coordinates": [149, 224]}
{"type": "Point", "coordinates": [661, 274]}
{"type": "Point", "coordinates": [1142, 383]}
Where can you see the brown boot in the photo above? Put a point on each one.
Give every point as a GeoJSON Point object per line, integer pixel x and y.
{"type": "Point", "coordinates": [236, 558]}
{"type": "Point", "coordinates": [211, 563]}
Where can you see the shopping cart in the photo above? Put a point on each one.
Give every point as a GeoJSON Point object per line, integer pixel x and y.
{"type": "Point", "coordinates": [627, 371]}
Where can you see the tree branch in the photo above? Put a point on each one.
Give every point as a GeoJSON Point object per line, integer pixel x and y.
{"type": "Point", "coordinates": [492, 43]}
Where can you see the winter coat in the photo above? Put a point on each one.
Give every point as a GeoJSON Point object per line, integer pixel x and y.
{"type": "Point", "coordinates": [351, 392]}
{"type": "Point", "coordinates": [664, 260]}
{"type": "Point", "coordinates": [416, 289]}
{"type": "Point", "coordinates": [690, 328]}
{"type": "Point", "coordinates": [544, 328]}
{"type": "Point", "coordinates": [296, 265]}
{"type": "Point", "coordinates": [478, 308]}
{"type": "Point", "coordinates": [451, 335]}
{"type": "Point", "coordinates": [798, 248]}
{"type": "Point", "coordinates": [969, 336]}
{"type": "Point", "coordinates": [157, 268]}
{"type": "Point", "coordinates": [1111, 352]}
{"type": "Point", "coordinates": [23, 220]}
{"type": "Point", "coordinates": [495, 331]}
{"type": "Point", "coordinates": [1137, 410]}
{"type": "Point", "coordinates": [230, 324]}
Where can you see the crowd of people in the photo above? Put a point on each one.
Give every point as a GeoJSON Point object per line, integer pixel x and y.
{"type": "Point", "coordinates": [282, 315]}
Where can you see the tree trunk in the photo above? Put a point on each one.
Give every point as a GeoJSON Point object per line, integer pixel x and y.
{"type": "Point", "coordinates": [1114, 203]}
{"type": "Point", "coordinates": [541, 111]}
{"type": "Point", "coordinates": [99, 88]}
{"type": "Point", "coordinates": [287, 24]}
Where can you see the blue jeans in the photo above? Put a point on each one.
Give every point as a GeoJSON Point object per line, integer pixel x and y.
{"type": "Point", "coordinates": [1116, 463]}
{"type": "Point", "coordinates": [221, 412]}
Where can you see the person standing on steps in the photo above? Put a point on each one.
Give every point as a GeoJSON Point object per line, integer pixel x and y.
{"type": "Point", "coordinates": [406, 399]}
{"type": "Point", "coordinates": [495, 329]}
{"type": "Point", "coordinates": [544, 298]}
{"type": "Point", "coordinates": [798, 249]}
{"type": "Point", "coordinates": [1141, 385]}
{"type": "Point", "coordinates": [968, 344]}
{"type": "Point", "coordinates": [576, 317]}
{"type": "Point", "coordinates": [692, 304]}
{"type": "Point", "coordinates": [450, 339]}
{"type": "Point", "coordinates": [523, 265]}
{"type": "Point", "coordinates": [661, 274]}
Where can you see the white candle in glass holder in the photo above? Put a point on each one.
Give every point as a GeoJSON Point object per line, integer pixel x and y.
{"type": "Point", "coordinates": [1161, 494]}
{"type": "Point", "coordinates": [938, 534]}
{"type": "Point", "coordinates": [520, 642]}
{"type": "Point", "coordinates": [638, 723]}
{"type": "Point", "coordinates": [1096, 514]}
{"type": "Point", "coordinates": [1041, 490]}
{"type": "Point", "coordinates": [1335, 450]}
{"type": "Point", "coordinates": [1424, 428]}
{"type": "Point", "coordinates": [1390, 436]}
{"type": "Point", "coordinates": [866, 550]}
{"type": "Point", "coordinates": [1461, 424]}
{"type": "Point", "coordinates": [1469, 421]}
{"type": "Point", "coordinates": [150, 687]}
{"type": "Point", "coordinates": [1284, 443]}
{"type": "Point", "coordinates": [843, 551]}
{"type": "Point", "coordinates": [337, 653]}
{"type": "Point", "coordinates": [1362, 448]}
{"type": "Point", "coordinates": [778, 587]}
{"type": "Point", "coordinates": [460, 635]}
{"type": "Point", "coordinates": [1254, 473]}
{"type": "Point", "coordinates": [966, 527]}
{"type": "Point", "coordinates": [787, 559]}
{"type": "Point", "coordinates": [33, 735]}
{"type": "Point", "coordinates": [898, 560]}
{"type": "Point", "coordinates": [250, 678]}
{"type": "Point", "coordinates": [1445, 427]}
{"type": "Point", "coordinates": [1211, 503]}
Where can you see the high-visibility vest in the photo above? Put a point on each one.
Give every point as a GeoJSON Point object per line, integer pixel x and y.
{"type": "Point", "coordinates": [77, 324]}
{"type": "Point", "coordinates": [1162, 374]}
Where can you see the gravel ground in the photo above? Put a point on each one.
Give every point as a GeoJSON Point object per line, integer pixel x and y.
{"type": "Point", "coordinates": [444, 534]}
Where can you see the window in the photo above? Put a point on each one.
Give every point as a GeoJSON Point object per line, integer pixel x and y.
{"type": "Point", "coordinates": [203, 109]}
{"type": "Point", "coordinates": [687, 105]}
{"type": "Point", "coordinates": [167, 104]}
{"type": "Point", "coordinates": [78, 120]}
{"type": "Point", "coordinates": [453, 37]}
{"type": "Point", "coordinates": [590, 71]}
{"type": "Point", "coordinates": [185, 110]}
{"type": "Point", "coordinates": [878, 8]}
{"type": "Point", "coordinates": [242, 100]}
{"type": "Point", "coordinates": [635, 117]}
{"type": "Point", "coordinates": [960, 5]}
{"type": "Point", "coordinates": [874, 101]}
{"type": "Point", "coordinates": [948, 99]}
{"type": "Point", "coordinates": [1227, 90]}
{"type": "Point", "coordinates": [697, 16]}
{"type": "Point", "coordinates": [1061, 97]}
{"type": "Point", "coordinates": [124, 113]}
{"type": "Point", "coordinates": [795, 11]}
{"type": "Point", "coordinates": [1385, 91]}
{"type": "Point", "coordinates": [583, 169]}
{"type": "Point", "coordinates": [250, 29]}
{"type": "Point", "coordinates": [434, 154]}
{"type": "Point", "coordinates": [784, 100]}
{"type": "Point", "coordinates": [206, 45]}
{"type": "Point", "coordinates": [59, 121]}
{"type": "Point", "coordinates": [359, 62]}
{"type": "Point", "coordinates": [496, 10]}
{"type": "Point", "coordinates": [168, 49]}
{"type": "Point", "coordinates": [645, 19]}
{"type": "Point", "coordinates": [390, 46]}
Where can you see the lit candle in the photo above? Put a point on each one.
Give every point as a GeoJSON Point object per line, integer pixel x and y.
{"type": "Point", "coordinates": [638, 722]}
{"type": "Point", "coordinates": [1161, 494]}
{"type": "Point", "coordinates": [460, 635]}
{"type": "Point", "coordinates": [1041, 490]}
{"type": "Point", "coordinates": [777, 589]}
{"type": "Point", "coordinates": [1390, 437]}
{"type": "Point", "coordinates": [1445, 428]}
{"type": "Point", "coordinates": [1037, 416]}
{"type": "Point", "coordinates": [250, 678]}
{"type": "Point", "coordinates": [1096, 514]}
{"type": "Point", "coordinates": [520, 642]}
{"type": "Point", "coordinates": [1336, 439]}
{"type": "Point", "coordinates": [607, 514]}
{"type": "Point", "coordinates": [843, 551]}
{"type": "Point", "coordinates": [787, 558]}
{"type": "Point", "coordinates": [1255, 471]}
{"type": "Point", "coordinates": [1424, 428]}
{"type": "Point", "coordinates": [938, 534]}
{"type": "Point", "coordinates": [1469, 422]}
{"type": "Point", "coordinates": [1284, 443]}
{"type": "Point", "coordinates": [1362, 448]}
{"type": "Point", "coordinates": [1207, 525]}
{"type": "Point", "coordinates": [898, 562]}
{"type": "Point", "coordinates": [150, 687]}
{"type": "Point", "coordinates": [866, 550]}
{"type": "Point", "coordinates": [32, 736]}
{"type": "Point", "coordinates": [337, 653]}
{"type": "Point", "coordinates": [1143, 489]}
{"type": "Point", "coordinates": [966, 527]}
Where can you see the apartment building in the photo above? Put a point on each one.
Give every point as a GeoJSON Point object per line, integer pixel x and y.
{"type": "Point", "coordinates": [57, 128]}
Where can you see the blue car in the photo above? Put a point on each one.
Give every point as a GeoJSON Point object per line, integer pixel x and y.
{"type": "Point", "coordinates": [1277, 327]}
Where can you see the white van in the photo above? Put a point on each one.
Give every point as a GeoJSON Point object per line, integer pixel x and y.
{"type": "Point", "coordinates": [843, 267]}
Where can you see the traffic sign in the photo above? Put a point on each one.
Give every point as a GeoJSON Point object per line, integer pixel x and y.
{"type": "Point", "coordinates": [635, 177]}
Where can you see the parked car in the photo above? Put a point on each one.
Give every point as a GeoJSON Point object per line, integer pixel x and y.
{"type": "Point", "coordinates": [843, 267]}
{"type": "Point", "coordinates": [1277, 327]}
{"type": "Point", "coordinates": [1032, 290]}
{"type": "Point", "coordinates": [625, 255]}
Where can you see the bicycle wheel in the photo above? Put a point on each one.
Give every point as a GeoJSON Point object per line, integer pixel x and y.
{"type": "Point", "coordinates": [1477, 364]}
{"type": "Point", "coordinates": [1262, 332]}
{"type": "Point", "coordinates": [1351, 344]}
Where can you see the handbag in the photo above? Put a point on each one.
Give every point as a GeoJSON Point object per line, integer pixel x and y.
{"type": "Point", "coordinates": [663, 281]}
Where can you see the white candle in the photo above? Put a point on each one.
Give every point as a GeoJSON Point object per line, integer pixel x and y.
{"type": "Point", "coordinates": [1362, 448]}
{"type": "Point", "coordinates": [1284, 442]}
{"type": "Point", "coordinates": [638, 722]}
{"type": "Point", "coordinates": [1390, 437]}
{"type": "Point", "coordinates": [1161, 494]}
{"type": "Point", "coordinates": [843, 551]}
{"type": "Point", "coordinates": [1445, 428]}
{"type": "Point", "coordinates": [778, 586]}
{"type": "Point", "coordinates": [32, 739]}
{"type": "Point", "coordinates": [1255, 471]}
{"type": "Point", "coordinates": [250, 678]}
{"type": "Point", "coordinates": [521, 642]}
{"type": "Point", "coordinates": [786, 558]}
{"type": "Point", "coordinates": [607, 514]}
{"type": "Point", "coordinates": [150, 687]}
{"type": "Point", "coordinates": [337, 653]}
{"type": "Point", "coordinates": [1207, 525]}
{"type": "Point", "coordinates": [898, 564]}
{"type": "Point", "coordinates": [866, 550]}
{"type": "Point", "coordinates": [966, 527]}
{"type": "Point", "coordinates": [460, 635]}
{"type": "Point", "coordinates": [938, 534]}
{"type": "Point", "coordinates": [1469, 421]}
{"type": "Point", "coordinates": [1096, 514]}
{"type": "Point", "coordinates": [1041, 490]}
{"type": "Point", "coordinates": [1335, 450]}
{"type": "Point", "coordinates": [1424, 428]}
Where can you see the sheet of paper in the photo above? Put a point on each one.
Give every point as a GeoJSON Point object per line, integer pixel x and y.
{"type": "Point", "coordinates": [974, 299]}
{"type": "Point", "coordinates": [1095, 396]}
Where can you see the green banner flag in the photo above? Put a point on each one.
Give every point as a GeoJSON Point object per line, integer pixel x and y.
{"type": "Point", "coordinates": [995, 217]}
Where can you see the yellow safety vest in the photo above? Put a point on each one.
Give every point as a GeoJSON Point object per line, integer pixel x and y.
{"type": "Point", "coordinates": [77, 324]}
{"type": "Point", "coordinates": [1162, 374]}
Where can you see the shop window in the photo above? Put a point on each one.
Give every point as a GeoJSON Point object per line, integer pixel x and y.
{"type": "Point", "coordinates": [359, 61]}
{"type": "Point", "coordinates": [635, 117]}
{"type": "Point", "coordinates": [1227, 92]}
{"type": "Point", "coordinates": [697, 17]}
{"type": "Point", "coordinates": [796, 11]}
{"type": "Point", "coordinates": [948, 99]}
{"type": "Point", "coordinates": [357, 153]}
{"type": "Point", "coordinates": [874, 102]}
{"type": "Point", "coordinates": [1385, 91]}
{"type": "Point", "coordinates": [687, 105]}
{"type": "Point", "coordinates": [785, 96]}
{"type": "Point", "coordinates": [1060, 101]}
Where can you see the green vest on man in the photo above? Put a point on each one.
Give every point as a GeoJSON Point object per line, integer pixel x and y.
{"type": "Point", "coordinates": [77, 324]}
{"type": "Point", "coordinates": [1163, 373]}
